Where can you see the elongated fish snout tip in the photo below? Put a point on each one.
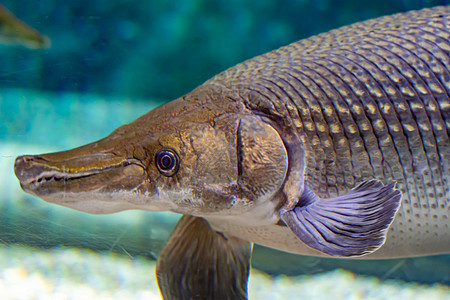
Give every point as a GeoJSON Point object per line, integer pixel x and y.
{"type": "Point", "coordinates": [27, 168]}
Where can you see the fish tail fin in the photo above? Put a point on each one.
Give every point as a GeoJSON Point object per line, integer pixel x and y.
{"type": "Point", "coordinates": [353, 224]}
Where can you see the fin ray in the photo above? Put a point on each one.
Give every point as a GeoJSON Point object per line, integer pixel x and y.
{"type": "Point", "coordinates": [353, 224]}
{"type": "Point", "coordinates": [200, 263]}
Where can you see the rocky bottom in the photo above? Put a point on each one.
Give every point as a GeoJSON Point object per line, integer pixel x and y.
{"type": "Point", "coordinates": [72, 273]}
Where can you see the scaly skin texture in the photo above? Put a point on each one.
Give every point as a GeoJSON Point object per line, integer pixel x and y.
{"type": "Point", "coordinates": [369, 100]}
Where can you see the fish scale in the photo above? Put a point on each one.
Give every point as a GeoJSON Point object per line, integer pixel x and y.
{"type": "Point", "coordinates": [360, 138]}
{"type": "Point", "coordinates": [369, 100]}
{"type": "Point", "coordinates": [410, 145]}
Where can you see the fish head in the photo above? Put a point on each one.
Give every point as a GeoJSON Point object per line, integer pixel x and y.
{"type": "Point", "coordinates": [195, 155]}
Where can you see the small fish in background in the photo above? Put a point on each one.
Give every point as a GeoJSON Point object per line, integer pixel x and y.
{"type": "Point", "coordinates": [14, 31]}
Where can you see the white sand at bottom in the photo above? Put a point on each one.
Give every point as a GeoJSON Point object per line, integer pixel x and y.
{"type": "Point", "coordinates": [30, 273]}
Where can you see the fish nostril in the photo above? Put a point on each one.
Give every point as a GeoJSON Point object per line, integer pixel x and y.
{"type": "Point", "coordinates": [26, 158]}
{"type": "Point", "coordinates": [25, 167]}
{"type": "Point", "coordinates": [19, 166]}
{"type": "Point", "coordinates": [25, 161]}
{"type": "Point", "coordinates": [19, 160]}
{"type": "Point", "coordinates": [22, 160]}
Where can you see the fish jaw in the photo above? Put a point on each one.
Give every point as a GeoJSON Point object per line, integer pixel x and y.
{"type": "Point", "coordinates": [87, 179]}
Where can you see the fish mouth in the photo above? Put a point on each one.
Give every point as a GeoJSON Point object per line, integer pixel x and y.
{"type": "Point", "coordinates": [44, 175]}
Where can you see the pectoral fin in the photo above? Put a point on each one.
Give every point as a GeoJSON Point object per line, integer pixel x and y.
{"type": "Point", "coordinates": [200, 263]}
{"type": "Point", "coordinates": [353, 224]}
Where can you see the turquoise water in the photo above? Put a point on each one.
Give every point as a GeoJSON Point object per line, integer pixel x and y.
{"type": "Point", "coordinates": [111, 62]}
{"type": "Point", "coordinates": [164, 49]}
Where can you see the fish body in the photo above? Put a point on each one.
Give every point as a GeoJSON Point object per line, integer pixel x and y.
{"type": "Point", "coordinates": [15, 31]}
{"type": "Point", "coordinates": [336, 145]}
{"type": "Point", "coordinates": [369, 100]}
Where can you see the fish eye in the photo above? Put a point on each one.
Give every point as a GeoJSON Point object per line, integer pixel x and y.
{"type": "Point", "coordinates": [167, 162]}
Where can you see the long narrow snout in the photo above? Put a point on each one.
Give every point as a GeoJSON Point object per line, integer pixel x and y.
{"type": "Point", "coordinates": [43, 174]}
{"type": "Point", "coordinates": [85, 178]}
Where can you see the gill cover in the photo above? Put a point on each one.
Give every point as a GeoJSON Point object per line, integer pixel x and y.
{"type": "Point", "coordinates": [261, 157]}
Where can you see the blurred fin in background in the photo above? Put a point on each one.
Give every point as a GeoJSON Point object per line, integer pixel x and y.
{"type": "Point", "coordinates": [14, 31]}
